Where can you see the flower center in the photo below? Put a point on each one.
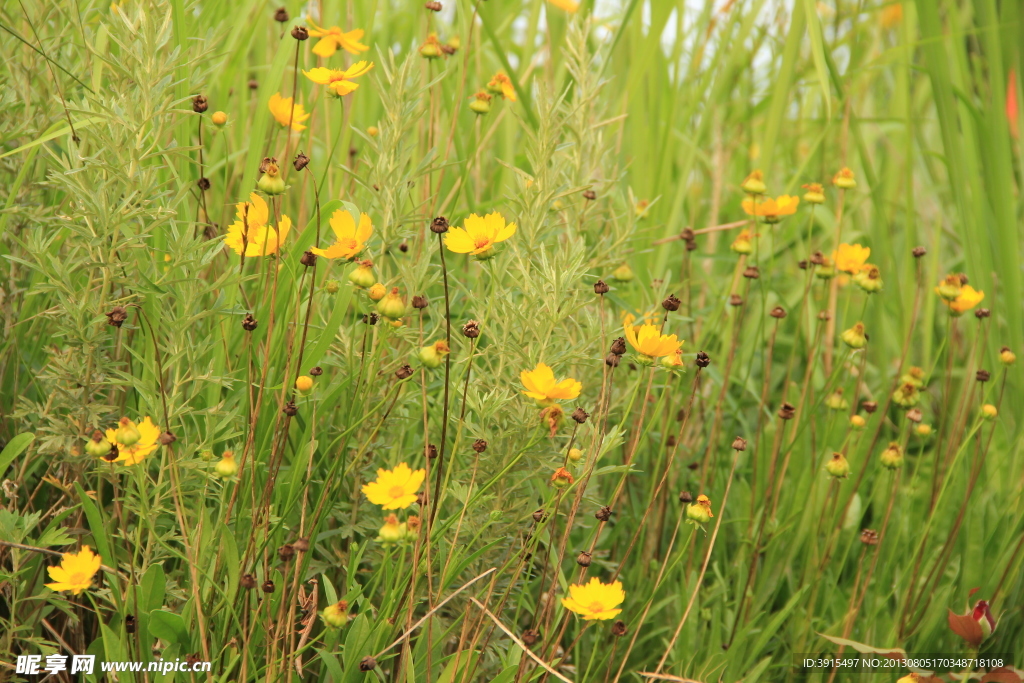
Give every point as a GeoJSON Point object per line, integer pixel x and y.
{"type": "Point", "coordinates": [80, 579]}
{"type": "Point", "coordinates": [596, 606]}
{"type": "Point", "coordinates": [396, 491]}
{"type": "Point", "coordinates": [481, 242]}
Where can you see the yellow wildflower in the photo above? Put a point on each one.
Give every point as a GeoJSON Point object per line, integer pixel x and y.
{"type": "Point", "coordinates": [349, 239]}
{"type": "Point", "coordinates": [561, 478]}
{"type": "Point", "coordinates": [844, 180]}
{"type": "Point", "coordinates": [540, 384]}
{"type": "Point", "coordinates": [395, 489]}
{"type": "Point", "coordinates": [501, 84]}
{"type": "Point", "coordinates": [480, 234]}
{"type": "Point", "coordinates": [851, 258]}
{"type": "Point", "coordinates": [650, 342]}
{"type": "Point", "coordinates": [595, 600]}
{"type": "Point", "coordinates": [772, 210]}
{"type": "Point", "coordinates": [285, 113]}
{"type": "Point", "coordinates": [251, 232]}
{"type": "Point", "coordinates": [333, 38]}
{"type": "Point", "coordinates": [700, 510]}
{"type": "Point", "coordinates": [567, 5]}
{"type": "Point", "coordinates": [75, 571]}
{"type": "Point", "coordinates": [137, 451]}
{"type": "Point", "coordinates": [339, 81]}
{"type": "Point", "coordinates": [965, 301]}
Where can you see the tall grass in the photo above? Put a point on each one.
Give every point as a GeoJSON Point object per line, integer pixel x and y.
{"type": "Point", "coordinates": [634, 123]}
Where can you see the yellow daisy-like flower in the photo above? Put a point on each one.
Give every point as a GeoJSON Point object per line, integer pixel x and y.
{"type": "Point", "coordinates": [333, 38]}
{"type": "Point", "coordinates": [969, 298]}
{"type": "Point", "coordinates": [75, 571]}
{"type": "Point", "coordinates": [284, 112]}
{"type": "Point", "coordinates": [349, 239]}
{"type": "Point", "coordinates": [131, 454]}
{"type": "Point", "coordinates": [650, 342]}
{"type": "Point", "coordinates": [339, 81]}
{"type": "Point", "coordinates": [595, 600]}
{"type": "Point", "coordinates": [540, 384]}
{"type": "Point", "coordinates": [395, 489]}
{"type": "Point", "coordinates": [772, 210]}
{"type": "Point", "coordinates": [501, 84]}
{"type": "Point", "coordinates": [250, 231]}
{"type": "Point", "coordinates": [851, 258]}
{"type": "Point", "coordinates": [480, 234]}
{"type": "Point", "coordinates": [567, 5]}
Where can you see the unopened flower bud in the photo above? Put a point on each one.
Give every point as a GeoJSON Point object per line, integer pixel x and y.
{"type": "Point", "coordinates": [391, 306]}
{"type": "Point", "coordinates": [857, 422]}
{"type": "Point", "coordinates": [855, 337]}
{"type": "Point", "coordinates": [97, 446]}
{"type": "Point", "coordinates": [199, 104]}
{"type": "Point", "coordinates": [433, 355]}
{"type": "Point", "coordinates": [336, 615]}
{"type": "Point", "coordinates": [271, 183]}
{"type": "Point", "coordinates": [838, 466]}
{"type": "Point", "coordinates": [754, 183]}
{"type": "Point", "coordinates": [127, 433]}
{"type": "Point", "coordinates": [892, 456]}
{"type": "Point", "coordinates": [377, 292]}
{"type": "Point", "coordinates": [219, 118]}
{"type": "Point", "coordinates": [815, 193]}
{"type": "Point", "coordinates": [844, 179]}
{"type": "Point", "coordinates": [989, 411]}
{"type": "Point", "coordinates": [304, 385]}
{"type": "Point", "coordinates": [906, 395]}
{"type": "Point", "coordinates": [700, 510]}
{"type": "Point", "coordinates": [923, 430]}
{"type": "Point", "coordinates": [1006, 356]}
{"type": "Point", "coordinates": [481, 104]}
{"type": "Point", "coordinates": [575, 455]}
{"type": "Point", "coordinates": [623, 273]}
{"type": "Point", "coordinates": [836, 401]}
{"type": "Point", "coordinates": [561, 478]}
{"type": "Point", "coordinates": [226, 466]}
{"type": "Point", "coordinates": [332, 286]}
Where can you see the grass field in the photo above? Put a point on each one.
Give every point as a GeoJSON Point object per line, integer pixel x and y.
{"type": "Point", "coordinates": [344, 341]}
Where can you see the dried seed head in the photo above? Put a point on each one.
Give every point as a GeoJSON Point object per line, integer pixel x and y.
{"type": "Point", "coordinates": [539, 515]}
{"type": "Point", "coordinates": [603, 514]}
{"type": "Point", "coordinates": [530, 636]}
{"type": "Point", "coordinates": [915, 415]}
{"type": "Point", "coordinates": [130, 624]}
{"type": "Point", "coordinates": [817, 258]}
{"type": "Point", "coordinates": [268, 586]}
{"type": "Point", "coordinates": [419, 302]}
{"type": "Point", "coordinates": [580, 416]}
{"type": "Point", "coordinates": [918, 252]}
{"type": "Point", "coordinates": [113, 454]}
{"type": "Point", "coordinates": [619, 628]}
{"type": "Point", "coordinates": [281, 15]}
{"type": "Point", "coordinates": [301, 161]}
{"type": "Point", "coordinates": [735, 300]}
{"type": "Point", "coordinates": [316, 371]}
{"type": "Point", "coordinates": [116, 316]}
{"type": "Point", "coordinates": [583, 559]}
{"type": "Point", "coordinates": [367, 663]}
{"type": "Point", "coordinates": [963, 279]}
{"type": "Point", "coordinates": [618, 346]}
{"type": "Point", "coordinates": [687, 234]}
{"type": "Point", "coordinates": [439, 225]}
{"type": "Point", "coordinates": [249, 323]}
{"type": "Point", "coordinates": [248, 581]}
{"type": "Point", "coordinates": [685, 497]}
{"type": "Point", "coordinates": [471, 329]}
{"type": "Point", "coordinates": [203, 183]}
{"type": "Point", "coordinates": [691, 245]}
{"type": "Point", "coordinates": [290, 409]}
{"type": "Point", "coordinates": [286, 552]}
{"type": "Point", "coordinates": [752, 273]}
{"type": "Point", "coordinates": [480, 445]}
{"type": "Point", "coordinates": [308, 259]}
{"type": "Point", "coordinates": [433, 6]}
{"type": "Point", "coordinates": [612, 360]}
{"type": "Point", "coordinates": [601, 287]}
{"type": "Point", "coordinates": [589, 195]}
{"type": "Point", "coordinates": [869, 406]}
{"type": "Point", "coordinates": [869, 537]}
{"type": "Point", "coordinates": [301, 545]}
{"type": "Point", "coordinates": [802, 264]}
{"type": "Point", "coordinates": [403, 247]}
{"type": "Point", "coordinates": [982, 313]}
{"type": "Point", "coordinates": [824, 316]}
{"type": "Point", "coordinates": [739, 444]}
{"type": "Point", "coordinates": [778, 313]}
{"type": "Point", "coordinates": [199, 104]}
{"type": "Point", "coordinates": [672, 303]}
{"type": "Point", "coordinates": [404, 372]}
{"type": "Point", "coordinates": [982, 375]}
{"type": "Point", "coordinates": [703, 360]}
{"type": "Point", "coordinates": [300, 33]}
{"type": "Point", "coordinates": [431, 451]}
{"type": "Point", "coordinates": [166, 438]}
{"type": "Point", "coordinates": [787, 411]}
